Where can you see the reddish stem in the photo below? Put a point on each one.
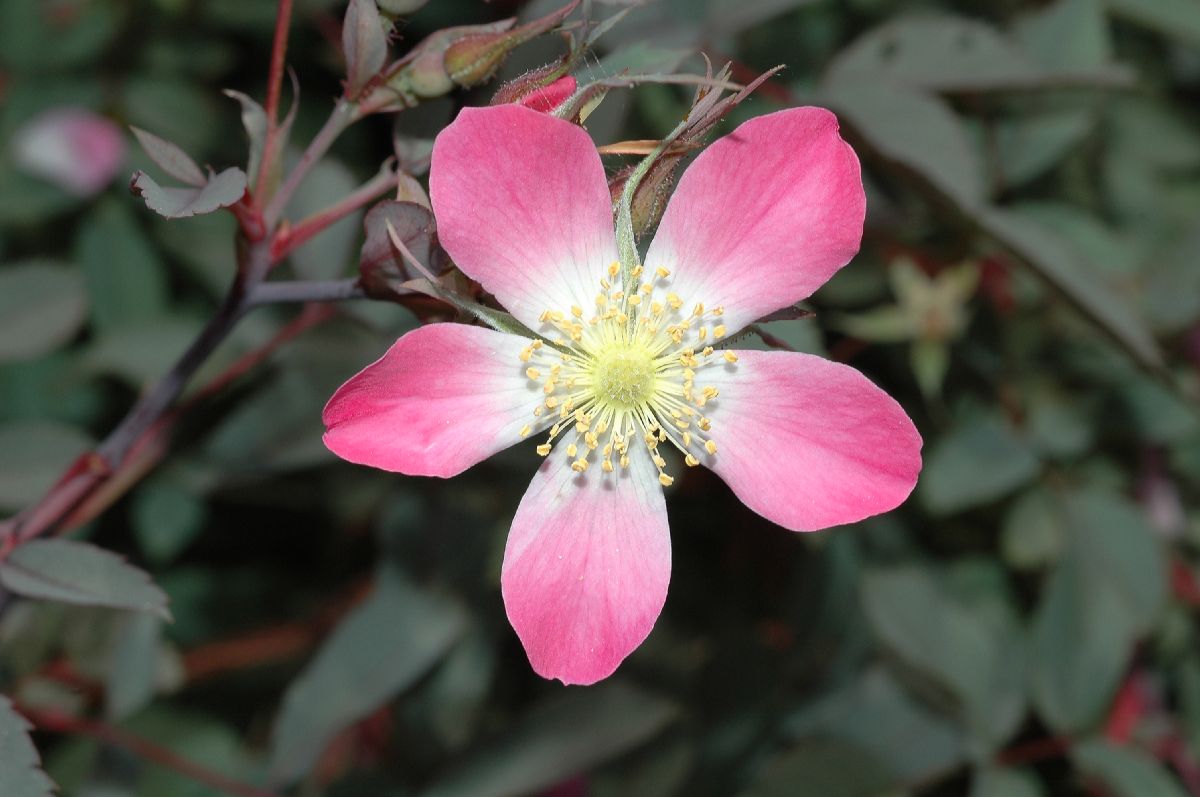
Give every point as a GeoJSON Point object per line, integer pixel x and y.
{"type": "Point", "coordinates": [58, 722]}
{"type": "Point", "coordinates": [288, 239]}
{"type": "Point", "coordinates": [283, 18]}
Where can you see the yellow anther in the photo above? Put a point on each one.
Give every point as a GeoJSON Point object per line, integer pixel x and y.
{"type": "Point", "coordinates": [718, 311]}
{"type": "Point", "coordinates": [532, 373]}
{"type": "Point", "coordinates": [614, 268]}
{"type": "Point", "coordinates": [702, 332]}
{"type": "Point", "coordinates": [659, 461]}
{"type": "Point", "coordinates": [548, 389]}
{"type": "Point", "coordinates": [674, 301]}
{"type": "Point", "coordinates": [711, 392]}
{"type": "Point", "coordinates": [687, 439]}
{"type": "Point", "coordinates": [601, 300]}
{"type": "Point", "coordinates": [551, 401]}
{"type": "Point", "coordinates": [730, 357]}
{"type": "Point", "coordinates": [705, 424]}
{"type": "Point", "coordinates": [647, 288]}
{"type": "Point", "coordinates": [635, 300]}
{"type": "Point", "coordinates": [591, 440]}
{"type": "Point", "coordinates": [577, 311]}
{"type": "Point", "coordinates": [624, 461]}
{"type": "Point", "coordinates": [691, 461]}
{"type": "Point", "coordinates": [526, 354]}
{"type": "Point", "coordinates": [662, 272]}
{"type": "Point", "coordinates": [719, 331]}
{"type": "Point", "coordinates": [582, 419]}
{"type": "Point", "coordinates": [708, 350]}
{"type": "Point", "coordinates": [710, 446]}
{"type": "Point", "coordinates": [601, 427]}
{"type": "Point", "coordinates": [665, 480]}
{"type": "Point", "coordinates": [538, 410]}
{"type": "Point", "coordinates": [651, 440]}
{"type": "Point", "coordinates": [607, 466]}
{"type": "Point", "coordinates": [537, 344]}
{"type": "Point", "coordinates": [698, 310]}
{"type": "Point", "coordinates": [525, 430]}
{"type": "Point", "coordinates": [656, 308]}
{"type": "Point", "coordinates": [573, 450]}
{"type": "Point", "coordinates": [544, 449]}
{"type": "Point", "coordinates": [579, 465]}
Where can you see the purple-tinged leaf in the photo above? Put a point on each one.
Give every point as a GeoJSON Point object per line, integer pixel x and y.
{"type": "Point", "coordinates": [414, 225]}
{"type": "Point", "coordinates": [81, 574]}
{"type": "Point", "coordinates": [364, 43]}
{"type": "Point", "coordinates": [170, 158]}
{"type": "Point", "coordinates": [221, 191]}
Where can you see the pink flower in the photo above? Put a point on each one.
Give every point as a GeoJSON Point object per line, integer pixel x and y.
{"type": "Point", "coordinates": [624, 374]}
{"type": "Point", "coordinates": [77, 150]}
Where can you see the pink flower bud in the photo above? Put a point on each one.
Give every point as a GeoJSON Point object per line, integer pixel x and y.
{"type": "Point", "coordinates": [474, 59]}
{"type": "Point", "coordinates": [73, 148]}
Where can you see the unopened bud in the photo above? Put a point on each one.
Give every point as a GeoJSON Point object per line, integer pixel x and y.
{"type": "Point", "coordinates": [425, 74]}
{"type": "Point", "coordinates": [542, 89]}
{"type": "Point", "coordinates": [474, 59]}
{"type": "Point", "coordinates": [650, 198]}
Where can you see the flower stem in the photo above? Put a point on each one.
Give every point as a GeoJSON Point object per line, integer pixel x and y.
{"type": "Point", "coordinates": [344, 114]}
{"type": "Point", "coordinates": [296, 291]}
{"type": "Point", "coordinates": [306, 229]}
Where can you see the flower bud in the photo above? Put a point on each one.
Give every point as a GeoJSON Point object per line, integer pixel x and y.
{"type": "Point", "coordinates": [425, 73]}
{"type": "Point", "coordinates": [474, 59]}
{"type": "Point", "coordinates": [650, 197]}
{"type": "Point", "coordinates": [73, 148]}
{"type": "Point", "coordinates": [542, 89]}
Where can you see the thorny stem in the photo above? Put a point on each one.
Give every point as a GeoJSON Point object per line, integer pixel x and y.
{"type": "Point", "coordinates": [343, 115]}
{"type": "Point", "coordinates": [283, 18]}
{"type": "Point", "coordinates": [58, 722]}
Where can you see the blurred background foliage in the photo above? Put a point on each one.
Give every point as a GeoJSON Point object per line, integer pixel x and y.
{"type": "Point", "coordinates": [1028, 288]}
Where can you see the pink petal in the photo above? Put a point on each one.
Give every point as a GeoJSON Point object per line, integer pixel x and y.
{"type": "Point", "coordinates": [586, 567]}
{"type": "Point", "coordinates": [444, 397]}
{"type": "Point", "coordinates": [808, 443]}
{"type": "Point", "coordinates": [522, 206]}
{"type": "Point", "coordinates": [764, 216]}
{"type": "Point", "coordinates": [77, 150]}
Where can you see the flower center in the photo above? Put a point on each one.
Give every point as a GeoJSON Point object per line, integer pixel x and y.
{"type": "Point", "coordinates": [623, 377]}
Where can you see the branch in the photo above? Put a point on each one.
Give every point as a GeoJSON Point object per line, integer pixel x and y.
{"type": "Point", "coordinates": [295, 291]}
{"type": "Point", "coordinates": [283, 16]}
{"type": "Point", "coordinates": [58, 722]}
{"type": "Point", "coordinates": [343, 115]}
{"type": "Point", "coordinates": [287, 241]}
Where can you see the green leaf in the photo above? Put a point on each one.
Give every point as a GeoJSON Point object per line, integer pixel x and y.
{"type": "Point", "coordinates": [913, 131]}
{"type": "Point", "coordinates": [220, 191]}
{"type": "Point", "coordinates": [80, 574]}
{"type": "Point", "coordinates": [941, 53]}
{"type": "Point", "coordinates": [827, 768]}
{"type": "Point", "coordinates": [33, 39]}
{"type": "Point", "coordinates": [42, 306]}
{"type": "Point", "coordinates": [976, 463]}
{"type": "Point", "coordinates": [993, 782]}
{"type": "Point", "coordinates": [1125, 771]}
{"type": "Point", "coordinates": [377, 651]}
{"type": "Point", "coordinates": [1174, 18]}
{"type": "Point", "coordinates": [126, 279]}
{"type": "Point", "coordinates": [133, 666]}
{"type": "Point", "coordinates": [1032, 535]}
{"type": "Point", "coordinates": [876, 715]}
{"type": "Point", "coordinates": [166, 518]}
{"type": "Point", "coordinates": [32, 456]}
{"type": "Point", "coordinates": [562, 737]}
{"type": "Point", "coordinates": [977, 657]}
{"type": "Point", "coordinates": [170, 158]}
{"type": "Point", "coordinates": [1029, 146]}
{"type": "Point", "coordinates": [930, 359]}
{"type": "Point", "coordinates": [1107, 591]}
{"type": "Point", "coordinates": [175, 108]}
{"type": "Point", "coordinates": [21, 772]}
{"type": "Point", "coordinates": [1066, 34]}
{"type": "Point", "coordinates": [1054, 260]}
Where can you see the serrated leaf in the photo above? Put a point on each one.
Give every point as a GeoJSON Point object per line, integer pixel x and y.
{"type": "Point", "coordinates": [21, 772]}
{"type": "Point", "coordinates": [377, 651]}
{"type": "Point", "coordinates": [221, 191]}
{"type": "Point", "coordinates": [80, 574]}
{"type": "Point", "coordinates": [364, 44]}
{"type": "Point", "coordinates": [560, 738]}
{"type": "Point", "coordinates": [42, 305]}
{"type": "Point", "coordinates": [1125, 771]}
{"type": "Point", "coordinates": [170, 158]}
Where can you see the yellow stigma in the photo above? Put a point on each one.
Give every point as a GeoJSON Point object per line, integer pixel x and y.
{"type": "Point", "coordinates": [627, 374]}
{"type": "Point", "coordinates": [623, 375]}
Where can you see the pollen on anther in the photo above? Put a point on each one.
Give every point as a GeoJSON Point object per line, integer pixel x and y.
{"type": "Point", "coordinates": [573, 450]}
{"type": "Point", "coordinates": [719, 331]}
{"type": "Point", "coordinates": [532, 373]}
{"type": "Point", "coordinates": [544, 449]}
{"type": "Point", "coordinates": [525, 430]}
{"type": "Point", "coordinates": [730, 357]}
{"type": "Point", "coordinates": [579, 465]}
{"type": "Point", "coordinates": [710, 446]}
{"type": "Point", "coordinates": [662, 272]}
{"type": "Point", "coordinates": [665, 480]}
